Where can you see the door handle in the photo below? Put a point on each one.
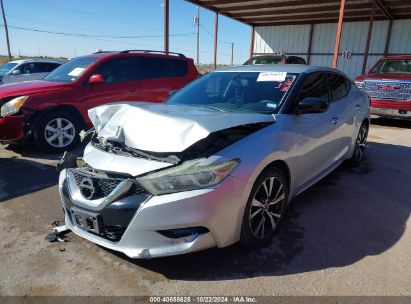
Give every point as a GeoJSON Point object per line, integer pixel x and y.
{"type": "Point", "coordinates": [357, 107]}
{"type": "Point", "coordinates": [334, 120]}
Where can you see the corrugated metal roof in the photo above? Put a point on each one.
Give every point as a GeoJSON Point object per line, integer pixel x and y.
{"type": "Point", "coordinates": [280, 12]}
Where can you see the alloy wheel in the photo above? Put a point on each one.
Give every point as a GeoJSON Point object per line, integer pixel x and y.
{"type": "Point", "coordinates": [267, 207]}
{"type": "Point", "coordinates": [59, 132]}
{"type": "Point", "coordinates": [360, 144]}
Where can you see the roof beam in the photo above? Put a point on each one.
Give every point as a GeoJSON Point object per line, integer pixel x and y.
{"type": "Point", "coordinates": [384, 9]}
{"type": "Point", "coordinates": [307, 17]}
{"type": "Point", "coordinates": [361, 6]}
{"type": "Point", "coordinates": [319, 21]}
{"type": "Point", "coordinates": [284, 3]}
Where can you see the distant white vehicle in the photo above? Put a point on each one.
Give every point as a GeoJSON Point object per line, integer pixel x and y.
{"type": "Point", "coordinates": [23, 70]}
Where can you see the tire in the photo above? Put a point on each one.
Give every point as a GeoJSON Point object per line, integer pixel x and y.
{"type": "Point", "coordinates": [360, 144]}
{"type": "Point", "coordinates": [57, 131]}
{"type": "Point", "coordinates": [265, 208]}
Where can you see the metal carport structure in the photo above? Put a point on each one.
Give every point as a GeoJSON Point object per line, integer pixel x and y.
{"type": "Point", "coordinates": [304, 20]}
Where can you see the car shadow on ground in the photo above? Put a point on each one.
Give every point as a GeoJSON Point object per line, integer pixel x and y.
{"type": "Point", "coordinates": [351, 214]}
{"type": "Point", "coordinates": [21, 176]}
{"type": "Point", "coordinates": [30, 151]}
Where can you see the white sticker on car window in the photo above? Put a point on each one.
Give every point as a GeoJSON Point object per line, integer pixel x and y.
{"type": "Point", "coordinates": [271, 105]}
{"type": "Point", "coordinates": [76, 72]}
{"type": "Point", "coordinates": [272, 76]}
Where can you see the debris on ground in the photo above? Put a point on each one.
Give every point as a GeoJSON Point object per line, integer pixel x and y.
{"type": "Point", "coordinates": [58, 233]}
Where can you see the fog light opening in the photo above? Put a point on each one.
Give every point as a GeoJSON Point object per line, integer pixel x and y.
{"type": "Point", "coordinates": [194, 232]}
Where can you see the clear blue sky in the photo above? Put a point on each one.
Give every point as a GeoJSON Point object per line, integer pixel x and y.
{"type": "Point", "coordinates": [117, 18]}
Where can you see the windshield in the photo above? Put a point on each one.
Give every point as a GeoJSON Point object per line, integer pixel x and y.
{"type": "Point", "coordinates": [263, 60]}
{"type": "Point", "coordinates": [71, 70]}
{"type": "Point", "coordinates": [6, 67]}
{"type": "Point", "coordinates": [402, 66]}
{"type": "Point", "coordinates": [237, 91]}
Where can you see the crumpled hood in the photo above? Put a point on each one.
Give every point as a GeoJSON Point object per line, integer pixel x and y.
{"type": "Point", "coordinates": [162, 127]}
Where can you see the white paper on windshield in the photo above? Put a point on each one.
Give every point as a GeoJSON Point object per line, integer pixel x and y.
{"type": "Point", "coordinates": [272, 76]}
{"type": "Point", "coordinates": [76, 72]}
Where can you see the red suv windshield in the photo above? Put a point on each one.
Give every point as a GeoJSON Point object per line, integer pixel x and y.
{"type": "Point", "coordinates": [71, 70]}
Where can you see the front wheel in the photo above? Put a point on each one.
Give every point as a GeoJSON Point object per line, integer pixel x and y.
{"type": "Point", "coordinates": [57, 131]}
{"type": "Point", "coordinates": [265, 208]}
{"type": "Point", "coordinates": [360, 143]}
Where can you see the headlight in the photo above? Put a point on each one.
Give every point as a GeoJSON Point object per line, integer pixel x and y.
{"type": "Point", "coordinates": [188, 176]}
{"type": "Point", "coordinates": [13, 106]}
{"type": "Point", "coordinates": [359, 84]}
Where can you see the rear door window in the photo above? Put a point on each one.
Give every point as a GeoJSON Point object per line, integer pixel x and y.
{"type": "Point", "coordinates": [338, 86]}
{"type": "Point", "coordinates": [152, 67]}
{"type": "Point", "coordinates": [179, 67]}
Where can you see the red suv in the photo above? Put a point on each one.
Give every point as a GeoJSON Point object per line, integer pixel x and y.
{"type": "Point", "coordinates": [388, 83]}
{"type": "Point", "coordinates": [52, 111]}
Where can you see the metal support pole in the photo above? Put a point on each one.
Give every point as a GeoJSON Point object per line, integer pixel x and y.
{"type": "Point", "coordinates": [232, 53]}
{"type": "Point", "coordinates": [367, 45]}
{"type": "Point", "coordinates": [338, 35]}
{"type": "Point", "coordinates": [6, 29]}
{"type": "Point", "coordinates": [388, 39]}
{"type": "Point", "coordinates": [310, 40]}
{"type": "Point", "coordinates": [198, 35]}
{"type": "Point", "coordinates": [166, 26]}
{"type": "Point", "coordinates": [252, 42]}
{"type": "Point", "coordinates": [215, 39]}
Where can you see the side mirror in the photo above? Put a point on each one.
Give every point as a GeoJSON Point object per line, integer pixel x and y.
{"type": "Point", "coordinates": [96, 78]}
{"type": "Point", "coordinates": [311, 105]}
{"type": "Point", "coordinates": [16, 72]}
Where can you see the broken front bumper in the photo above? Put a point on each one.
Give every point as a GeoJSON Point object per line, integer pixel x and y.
{"type": "Point", "coordinates": [11, 128]}
{"type": "Point", "coordinates": [143, 226]}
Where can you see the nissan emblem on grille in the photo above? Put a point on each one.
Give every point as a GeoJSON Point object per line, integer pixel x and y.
{"type": "Point", "coordinates": [87, 188]}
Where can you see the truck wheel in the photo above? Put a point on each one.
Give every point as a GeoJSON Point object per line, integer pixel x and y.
{"type": "Point", "coordinates": [57, 131]}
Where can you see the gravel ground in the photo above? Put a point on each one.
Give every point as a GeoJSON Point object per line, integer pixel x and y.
{"type": "Point", "coordinates": [347, 235]}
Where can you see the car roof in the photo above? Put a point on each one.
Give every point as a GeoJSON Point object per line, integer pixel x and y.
{"type": "Point", "coordinates": [34, 60]}
{"type": "Point", "coordinates": [289, 68]}
{"type": "Point", "coordinates": [105, 54]}
{"type": "Point", "coordinates": [266, 56]}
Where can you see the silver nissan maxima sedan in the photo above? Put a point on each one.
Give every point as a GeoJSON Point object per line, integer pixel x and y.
{"type": "Point", "coordinates": [217, 163]}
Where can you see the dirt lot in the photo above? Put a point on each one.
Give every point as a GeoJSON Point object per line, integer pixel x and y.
{"type": "Point", "coordinates": [348, 235]}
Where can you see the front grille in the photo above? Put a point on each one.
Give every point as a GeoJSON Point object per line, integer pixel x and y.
{"type": "Point", "coordinates": [94, 187]}
{"type": "Point", "coordinates": [388, 90]}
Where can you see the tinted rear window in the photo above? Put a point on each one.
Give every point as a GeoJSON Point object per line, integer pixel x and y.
{"type": "Point", "coordinates": [178, 67]}
{"type": "Point", "coordinates": [152, 67]}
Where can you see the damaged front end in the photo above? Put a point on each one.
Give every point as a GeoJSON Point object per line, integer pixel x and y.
{"type": "Point", "coordinates": [149, 203]}
{"type": "Point", "coordinates": [100, 203]}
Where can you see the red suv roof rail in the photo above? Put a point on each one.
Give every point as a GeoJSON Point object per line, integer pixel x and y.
{"type": "Point", "coordinates": [151, 51]}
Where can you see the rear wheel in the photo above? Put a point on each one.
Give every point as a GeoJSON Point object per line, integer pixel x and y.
{"type": "Point", "coordinates": [265, 208]}
{"type": "Point", "coordinates": [57, 131]}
